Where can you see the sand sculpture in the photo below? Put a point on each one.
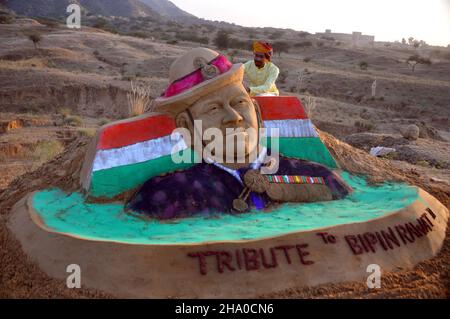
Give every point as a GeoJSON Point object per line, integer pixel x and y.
{"type": "Point", "coordinates": [144, 225]}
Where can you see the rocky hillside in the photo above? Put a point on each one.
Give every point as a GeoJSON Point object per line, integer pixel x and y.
{"type": "Point", "coordinates": [168, 9]}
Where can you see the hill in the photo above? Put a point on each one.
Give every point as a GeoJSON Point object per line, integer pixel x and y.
{"type": "Point", "coordinates": [57, 8]}
{"type": "Point", "coordinates": [168, 9]}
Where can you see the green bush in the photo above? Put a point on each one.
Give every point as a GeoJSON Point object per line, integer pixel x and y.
{"type": "Point", "coordinates": [6, 19]}
{"type": "Point", "coordinates": [363, 65]}
{"type": "Point", "coordinates": [35, 37]}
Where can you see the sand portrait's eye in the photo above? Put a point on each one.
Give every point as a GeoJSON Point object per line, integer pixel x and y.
{"type": "Point", "coordinates": [240, 102]}
{"type": "Point", "coordinates": [212, 108]}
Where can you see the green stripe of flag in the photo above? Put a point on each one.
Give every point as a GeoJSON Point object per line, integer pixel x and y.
{"type": "Point", "coordinates": [307, 148]}
{"type": "Point", "coordinates": [114, 181]}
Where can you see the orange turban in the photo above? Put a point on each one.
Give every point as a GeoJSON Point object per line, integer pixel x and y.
{"type": "Point", "coordinates": [263, 47]}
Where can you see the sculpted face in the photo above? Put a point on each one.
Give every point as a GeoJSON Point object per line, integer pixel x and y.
{"type": "Point", "coordinates": [231, 111]}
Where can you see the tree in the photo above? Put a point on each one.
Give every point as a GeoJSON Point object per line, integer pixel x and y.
{"type": "Point", "coordinates": [416, 43]}
{"type": "Point", "coordinates": [222, 40]}
{"type": "Point", "coordinates": [281, 46]}
{"type": "Point", "coordinates": [403, 41]}
{"type": "Point", "coordinates": [35, 38]}
{"type": "Point", "coordinates": [416, 59]}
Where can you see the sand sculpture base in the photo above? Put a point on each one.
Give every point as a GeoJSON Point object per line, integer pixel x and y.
{"type": "Point", "coordinates": [234, 268]}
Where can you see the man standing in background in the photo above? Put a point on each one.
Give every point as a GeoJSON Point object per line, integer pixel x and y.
{"type": "Point", "coordinates": [261, 73]}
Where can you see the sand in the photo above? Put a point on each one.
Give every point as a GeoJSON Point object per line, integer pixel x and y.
{"type": "Point", "coordinates": [21, 278]}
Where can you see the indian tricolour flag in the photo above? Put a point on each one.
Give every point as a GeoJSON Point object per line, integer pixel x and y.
{"type": "Point", "coordinates": [126, 153]}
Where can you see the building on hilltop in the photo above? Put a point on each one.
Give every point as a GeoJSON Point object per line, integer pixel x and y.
{"type": "Point", "coordinates": [356, 39]}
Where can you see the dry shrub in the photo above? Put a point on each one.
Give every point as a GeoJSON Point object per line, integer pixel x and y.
{"type": "Point", "coordinates": [364, 125]}
{"type": "Point", "coordinates": [65, 111]}
{"type": "Point", "coordinates": [103, 121]}
{"type": "Point", "coordinates": [73, 120]}
{"type": "Point", "coordinates": [88, 132]}
{"type": "Point", "coordinates": [309, 104]}
{"type": "Point", "coordinates": [139, 99]}
{"type": "Point", "coordinates": [300, 80]}
{"type": "Point", "coordinates": [47, 150]}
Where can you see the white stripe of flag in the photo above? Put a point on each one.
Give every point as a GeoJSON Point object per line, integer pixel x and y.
{"type": "Point", "coordinates": [292, 128]}
{"type": "Point", "coordinates": [163, 146]}
{"type": "Point", "coordinates": [138, 153]}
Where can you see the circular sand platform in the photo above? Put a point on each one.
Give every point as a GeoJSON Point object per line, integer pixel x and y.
{"type": "Point", "coordinates": [393, 225]}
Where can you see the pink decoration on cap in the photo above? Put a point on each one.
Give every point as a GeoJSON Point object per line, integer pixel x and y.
{"type": "Point", "coordinates": [189, 81]}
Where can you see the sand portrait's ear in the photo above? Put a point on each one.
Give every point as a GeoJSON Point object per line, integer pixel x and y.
{"type": "Point", "coordinates": [182, 120]}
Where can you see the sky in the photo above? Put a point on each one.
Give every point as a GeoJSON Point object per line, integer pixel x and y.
{"type": "Point", "coordinates": [388, 20]}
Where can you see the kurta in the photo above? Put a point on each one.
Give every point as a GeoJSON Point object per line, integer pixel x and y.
{"type": "Point", "coordinates": [261, 81]}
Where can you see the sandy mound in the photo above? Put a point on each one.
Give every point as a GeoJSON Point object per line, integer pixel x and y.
{"type": "Point", "coordinates": [359, 162]}
{"type": "Point", "coordinates": [20, 278]}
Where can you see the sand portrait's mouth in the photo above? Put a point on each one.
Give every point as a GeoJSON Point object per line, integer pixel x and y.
{"type": "Point", "coordinates": [236, 130]}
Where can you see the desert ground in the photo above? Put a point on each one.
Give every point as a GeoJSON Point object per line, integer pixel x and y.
{"type": "Point", "coordinates": [53, 97]}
